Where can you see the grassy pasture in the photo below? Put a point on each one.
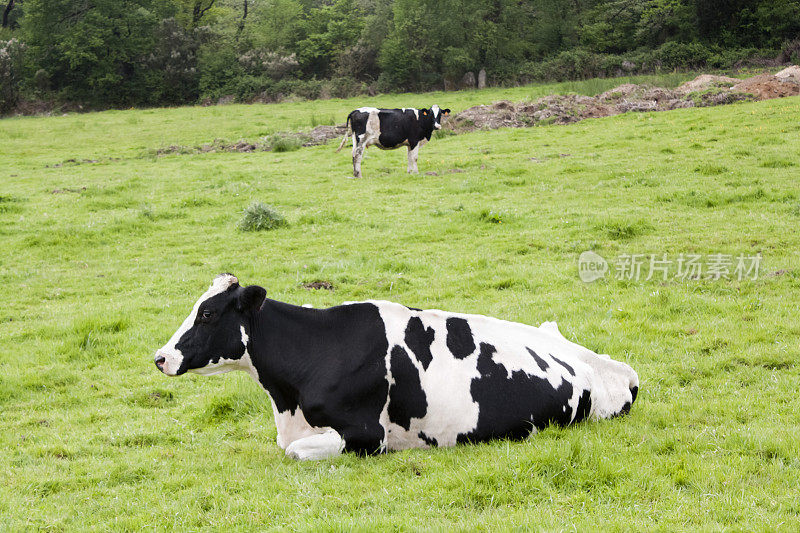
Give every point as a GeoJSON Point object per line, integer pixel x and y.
{"type": "Point", "coordinates": [100, 263]}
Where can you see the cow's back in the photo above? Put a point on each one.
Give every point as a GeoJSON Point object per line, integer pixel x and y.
{"type": "Point", "coordinates": [457, 377]}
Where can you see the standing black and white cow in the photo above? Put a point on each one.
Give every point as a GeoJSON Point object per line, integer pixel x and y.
{"type": "Point", "coordinates": [374, 376]}
{"type": "Point", "coordinates": [391, 128]}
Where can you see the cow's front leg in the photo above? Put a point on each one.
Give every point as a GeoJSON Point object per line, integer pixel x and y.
{"type": "Point", "coordinates": [412, 159]}
{"type": "Point", "coordinates": [316, 447]}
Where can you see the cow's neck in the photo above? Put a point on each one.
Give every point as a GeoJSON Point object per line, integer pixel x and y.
{"type": "Point", "coordinates": [283, 337]}
{"type": "Point", "coordinates": [426, 125]}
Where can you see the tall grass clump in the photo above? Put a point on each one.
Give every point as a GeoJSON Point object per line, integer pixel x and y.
{"type": "Point", "coordinates": [261, 217]}
{"type": "Point", "coordinates": [621, 230]}
{"type": "Point", "coordinates": [284, 143]}
{"type": "Point", "coordinates": [491, 216]}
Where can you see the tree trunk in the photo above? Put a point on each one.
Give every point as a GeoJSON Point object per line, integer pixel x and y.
{"type": "Point", "coordinates": [198, 11]}
{"type": "Point", "coordinates": [240, 29]}
{"type": "Point", "coordinates": [7, 12]}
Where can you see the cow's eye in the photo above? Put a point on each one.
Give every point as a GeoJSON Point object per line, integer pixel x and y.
{"type": "Point", "coordinates": [207, 313]}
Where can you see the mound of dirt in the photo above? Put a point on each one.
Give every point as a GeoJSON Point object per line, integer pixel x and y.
{"type": "Point", "coordinates": [319, 135]}
{"type": "Point", "coordinates": [486, 117]}
{"type": "Point", "coordinates": [705, 90]}
{"type": "Point", "coordinates": [623, 91]}
{"type": "Point", "coordinates": [707, 81]}
{"type": "Point", "coordinates": [791, 74]}
{"type": "Point", "coordinates": [767, 86]}
{"type": "Point", "coordinates": [323, 134]}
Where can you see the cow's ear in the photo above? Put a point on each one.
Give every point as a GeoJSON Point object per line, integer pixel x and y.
{"type": "Point", "coordinates": [424, 112]}
{"type": "Point", "coordinates": [446, 111]}
{"type": "Point", "coordinates": [251, 298]}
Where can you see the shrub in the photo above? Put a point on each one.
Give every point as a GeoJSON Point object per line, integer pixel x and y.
{"type": "Point", "coordinates": [344, 87]}
{"type": "Point", "coordinates": [672, 55]}
{"type": "Point", "coordinates": [218, 70]}
{"type": "Point", "coordinates": [272, 64]}
{"type": "Point", "coordinates": [261, 217]}
{"type": "Point", "coordinates": [174, 62]}
{"type": "Point", "coordinates": [11, 55]}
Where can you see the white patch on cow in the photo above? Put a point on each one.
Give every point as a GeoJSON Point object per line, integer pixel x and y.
{"type": "Point", "coordinates": [368, 138]}
{"type": "Point", "coordinates": [451, 409]}
{"type": "Point", "coordinates": [173, 357]}
{"type": "Point", "coordinates": [316, 447]}
{"type": "Point", "coordinates": [293, 426]}
{"type": "Point", "coordinates": [416, 111]}
{"type": "Point", "coordinates": [436, 116]}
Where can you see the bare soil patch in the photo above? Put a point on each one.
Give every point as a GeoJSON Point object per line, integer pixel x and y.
{"type": "Point", "coordinates": [319, 284]}
{"type": "Point", "coordinates": [705, 90]}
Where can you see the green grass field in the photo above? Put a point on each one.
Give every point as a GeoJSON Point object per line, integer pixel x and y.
{"type": "Point", "coordinates": [100, 262]}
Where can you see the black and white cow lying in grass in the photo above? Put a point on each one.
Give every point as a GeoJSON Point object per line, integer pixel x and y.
{"type": "Point", "coordinates": [374, 376]}
{"type": "Point", "coordinates": [391, 128]}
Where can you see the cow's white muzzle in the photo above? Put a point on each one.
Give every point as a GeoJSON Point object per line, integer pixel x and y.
{"type": "Point", "coordinates": [168, 362]}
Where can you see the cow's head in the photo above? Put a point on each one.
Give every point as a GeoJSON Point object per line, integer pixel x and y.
{"type": "Point", "coordinates": [213, 338]}
{"type": "Point", "coordinates": [437, 116]}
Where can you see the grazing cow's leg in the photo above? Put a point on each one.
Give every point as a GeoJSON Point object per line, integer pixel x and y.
{"type": "Point", "coordinates": [412, 159]}
{"type": "Point", "coordinates": [358, 154]}
{"type": "Point", "coordinates": [315, 447]}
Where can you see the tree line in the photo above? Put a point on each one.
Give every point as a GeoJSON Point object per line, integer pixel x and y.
{"type": "Point", "coordinates": [108, 53]}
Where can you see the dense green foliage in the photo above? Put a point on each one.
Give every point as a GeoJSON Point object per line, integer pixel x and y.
{"type": "Point", "coordinates": [133, 52]}
{"type": "Point", "coordinates": [105, 247]}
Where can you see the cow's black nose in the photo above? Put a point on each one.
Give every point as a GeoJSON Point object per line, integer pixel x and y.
{"type": "Point", "coordinates": [160, 361]}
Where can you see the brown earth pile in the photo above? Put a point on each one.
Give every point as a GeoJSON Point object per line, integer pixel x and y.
{"type": "Point", "coordinates": [766, 86]}
{"type": "Point", "coordinates": [705, 90]}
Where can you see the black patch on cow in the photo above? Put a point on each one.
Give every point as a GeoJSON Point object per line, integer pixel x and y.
{"type": "Point", "coordinates": [330, 362]}
{"type": "Point", "coordinates": [584, 406]}
{"type": "Point", "coordinates": [459, 338]}
{"type": "Point", "coordinates": [565, 365]}
{"type": "Point", "coordinates": [634, 393]}
{"type": "Point", "coordinates": [407, 400]}
{"type": "Point", "coordinates": [430, 441]}
{"type": "Point", "coordinates": [413, 309]}
{"type": "Point", "coordinates": [539, 361]}
{"type": "Point", "coordinates": [419, 340]}
{"type": "Point", "coordinates": [509, 407]}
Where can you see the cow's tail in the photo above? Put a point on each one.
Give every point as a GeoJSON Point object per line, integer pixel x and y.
{"type": "Point", "coordinates": [346, 133]}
